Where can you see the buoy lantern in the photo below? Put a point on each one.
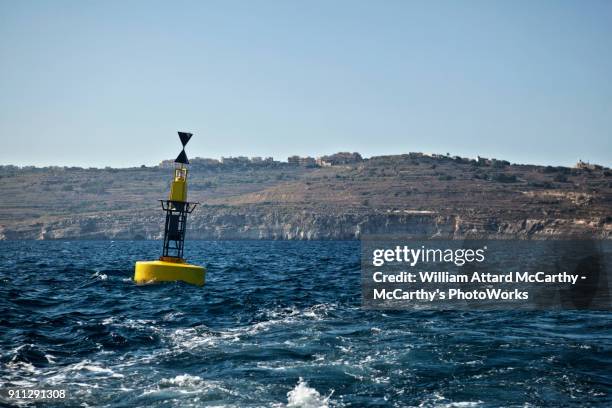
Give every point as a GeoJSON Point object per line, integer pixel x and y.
{"type": "Point", "coordinates": [171, 266]}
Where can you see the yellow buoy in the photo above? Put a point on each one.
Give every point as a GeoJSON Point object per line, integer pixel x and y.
{"type": "Point", "coordinates": [171, 266]}
{"type": "Point", "coordinates": [160, 271]}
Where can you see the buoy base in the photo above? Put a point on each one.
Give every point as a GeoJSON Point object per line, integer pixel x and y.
{"type": "Point", "coordinates": [162, 271]}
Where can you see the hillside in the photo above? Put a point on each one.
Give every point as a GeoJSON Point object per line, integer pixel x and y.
{"type": "Point", "coordinates": [413, 193]}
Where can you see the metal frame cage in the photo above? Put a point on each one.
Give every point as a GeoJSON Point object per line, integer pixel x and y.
{"type": "Point", "coordinates": [175, 226]}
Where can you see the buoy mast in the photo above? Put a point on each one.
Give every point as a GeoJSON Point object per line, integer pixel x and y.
{"type": "Point", "coordinates": [171, 266]}
{"type": "Point", "coordinates": [177, 207]}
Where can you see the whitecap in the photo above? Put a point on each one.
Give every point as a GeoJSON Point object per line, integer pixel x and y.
{"type": "Point", "coordinates": [108, 320]}
{"type": "Point", "coordinates": [303, 396]}
{"type": "Point", "coordinates": [183, 380]}
{"type": "Point", "coordinates": [93, 367]}
{"type": "Point", "coordinates": [188, 384]}
{"type": "Point", "coordinates": [440, 401]}
{"type": "Point", "coordinates": [100, 276]}
{"type": "Point", "coordinates": [23, 366]}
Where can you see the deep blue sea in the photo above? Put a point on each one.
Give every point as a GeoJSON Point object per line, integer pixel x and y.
{"type": "Point", "coordinates": [277, 324]}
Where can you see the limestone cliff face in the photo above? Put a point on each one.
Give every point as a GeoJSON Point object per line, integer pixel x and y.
{"type": "Point", "coordinates": [249, 223]}
{"type": "Point", "coordinates": [305, 225]}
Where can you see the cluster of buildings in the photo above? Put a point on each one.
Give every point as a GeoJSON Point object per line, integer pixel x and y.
{"type": "Point", "coordinates": [307, 161]}
{"type": "Point", "coordinates": [480, 161]}
{"type": "Point", "coordinates": [325, 161]}
{"type": "Point", "coordinates": [588, 166]}
{"type": "Point", "coordinates": [224, 161]}
{"type": "Point", "coordinates": [339, 159]}
{"type": "Point", "coordinates": [246, 160]}
{"type": "Point", "coordinates": [302, 161]}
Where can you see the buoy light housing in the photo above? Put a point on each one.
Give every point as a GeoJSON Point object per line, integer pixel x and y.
{"type": "Point", "coordinates": [171, 266]}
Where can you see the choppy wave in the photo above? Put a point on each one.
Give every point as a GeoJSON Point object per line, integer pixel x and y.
{"type": "Point", "coordinates": [278, 324]}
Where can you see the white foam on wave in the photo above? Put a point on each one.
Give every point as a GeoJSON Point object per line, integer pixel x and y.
{"type": "Point", "coordinates": [100, 276]}
{"type": "Point", "coordinates": [203, 337]}
{"type": "Point", "coordinates": [108, 320]}
{"type": "Point", "coordinates": [22, 366]}
{"type": "Point", "coordinates": [438, 400]}
{"type": "Point", "coordinates": [189, 384]}
{"type": "Point", "coordinates": [82, 369]}
{"type": "Point", "coordinates": [183, 380]}
{"type": "Point", "coordinates": [303, 396]}
{"type": "Point", "coordinates": [87, 365]}
{"type": "Point", "coordinates": [172, 315]}
{"type": "Point", "coordinates": [180, 340]}
{"type": "Point", "coordinates": [16, 349]}
{"type": "Point", "coordinates": [193, 338]}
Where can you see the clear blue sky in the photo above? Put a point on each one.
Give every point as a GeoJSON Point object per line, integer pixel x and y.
{"type": "Point", "coordinates": [109, 83]}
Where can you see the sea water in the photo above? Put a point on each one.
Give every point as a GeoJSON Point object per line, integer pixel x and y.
{"type": "Point", "coordinates": [277, 324]}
